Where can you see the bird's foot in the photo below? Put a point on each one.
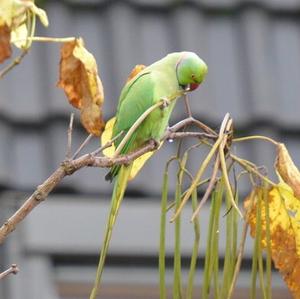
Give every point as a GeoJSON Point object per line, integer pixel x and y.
{"type": "Point", "coordinates": [165, 103]}
{"type": "Point", "coordinates": [156, 143]}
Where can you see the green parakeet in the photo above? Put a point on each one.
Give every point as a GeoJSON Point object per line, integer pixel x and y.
{"type": "Point", "coordinates": [166, 79]}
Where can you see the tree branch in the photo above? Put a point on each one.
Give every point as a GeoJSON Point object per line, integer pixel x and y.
{"type": "Point", "coordinates": [68, 167]}
{"type": "Point", "coordinates": [14, 63]}
{"type": "Point", "coordinates": [12, 270]}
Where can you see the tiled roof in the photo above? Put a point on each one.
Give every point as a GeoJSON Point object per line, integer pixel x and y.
{"type": "Point", "coordinates": [252, 49]}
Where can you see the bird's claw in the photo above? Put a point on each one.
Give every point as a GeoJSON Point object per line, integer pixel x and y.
{"type": "Point", "coordinates": [155, 143]}
{"type": "Point", "coordinates": [165, 103]}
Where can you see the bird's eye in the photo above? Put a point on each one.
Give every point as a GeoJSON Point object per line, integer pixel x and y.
{"type": "Point", "coordinates": [193, 76]}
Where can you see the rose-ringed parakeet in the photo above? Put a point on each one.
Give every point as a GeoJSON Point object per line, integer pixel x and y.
{"type": "Point", "coordinates": [166, 79]}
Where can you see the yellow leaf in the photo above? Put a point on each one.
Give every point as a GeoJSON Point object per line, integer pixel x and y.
{"type": "Point", "coordinates": [109, 152]}
{"type": "Point", "coordinates": [29, 5]}
{"type": "Point", "coordinates": [37, 11]}
{"type": "Point", "coordinates": [139, 163]}
{"type": "Point", "coordinates": [6, 12]}
{"type": "Point", "coordinates": [284, 213]}
{"type": "Point", "coordinates": [79, 78]}
{"type": "Point", "coordinates": [13, 14]}
{"type": "Point", "coordinates": [287, 169]}
{"type": "Point", "coordinates": [107, 136]}
{"type": "Point", "coordinates": [137, 69]}
{"type": "Point", "coordinates": [19, 36]}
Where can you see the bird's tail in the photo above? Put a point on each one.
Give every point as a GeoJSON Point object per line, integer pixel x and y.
{"type": "Point", "coordinates": [117, 196]}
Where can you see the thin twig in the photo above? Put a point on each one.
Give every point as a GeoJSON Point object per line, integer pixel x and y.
{"type": "Point", "coordinates": [13, 269]}
{"type": "Point", "coordinates": [251, 169]}
{"type": "Point", "coordinates": [255, 137]}
{"type": "Point", "coordinates": [70, 132]}
{"type": "Point", "coordinates": [107, 145]}
{"type": "Point", "coordinates": [83, 144]}
{"type": "Point", "coordinates": [14, 63]}
{"type": "Point", "coordinates": [178, 135]}
{"type": "Point", "coordinates": [203, 126]}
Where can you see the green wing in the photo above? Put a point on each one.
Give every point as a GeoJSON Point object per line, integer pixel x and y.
{"type": "Point", "coordinates": [135, 99]}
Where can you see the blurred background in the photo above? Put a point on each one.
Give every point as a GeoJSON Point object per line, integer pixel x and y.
{"type": "Point", "coordinates": [252, 49]}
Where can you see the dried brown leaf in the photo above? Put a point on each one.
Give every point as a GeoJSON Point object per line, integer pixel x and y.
{"type": "Point", "coordinates": [287, 169]}
{"type": "Point", "coordinates": [79, 78]}
{"type": "Point", "coordinates": [5, 48]}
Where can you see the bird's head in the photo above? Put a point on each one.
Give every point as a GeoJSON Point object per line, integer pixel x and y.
{"type": "Point", "coordinates": [191, 71]}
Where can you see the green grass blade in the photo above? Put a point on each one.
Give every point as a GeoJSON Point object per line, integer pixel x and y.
{"type": "Point", "coordinates": [211, 263]}
{"type": "Point", "coordinates": [215, 246]}
{"type": "Point", "coordinates": [208, 262]}
{"type": "Point", "coordinates": [177, 292]}
{"type": "Point", "coordinates": [162, 243]}
{"type": "Point", "coordinates": [193, 264]}
{"type": "Point", "coordinates": [228, 259]}
{"type": "Point", "coordinates": [241, 247]}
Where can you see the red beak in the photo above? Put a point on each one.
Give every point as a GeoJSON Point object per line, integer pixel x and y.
{"type": "Point", "coordinates": [193, 86]}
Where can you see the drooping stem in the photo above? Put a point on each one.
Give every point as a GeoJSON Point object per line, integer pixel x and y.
{"type": "Point", "coordinates": [197, 178]}
{"type": "Point", "coordinates": [255, 137]}
{"type": "Point", "coordinates": [203, 167]}
{"type": "Point", "coordinates": [247, 166]}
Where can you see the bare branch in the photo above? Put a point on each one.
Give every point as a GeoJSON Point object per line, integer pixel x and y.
{"type": "Point", "coordinates": [12, 270]}
{"type": "Point", "coordinates": [14, 63]}
{"type": "Point", "coordinates": [179, 135]}
{"type": "Point", "coordinates": [68, 167]}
